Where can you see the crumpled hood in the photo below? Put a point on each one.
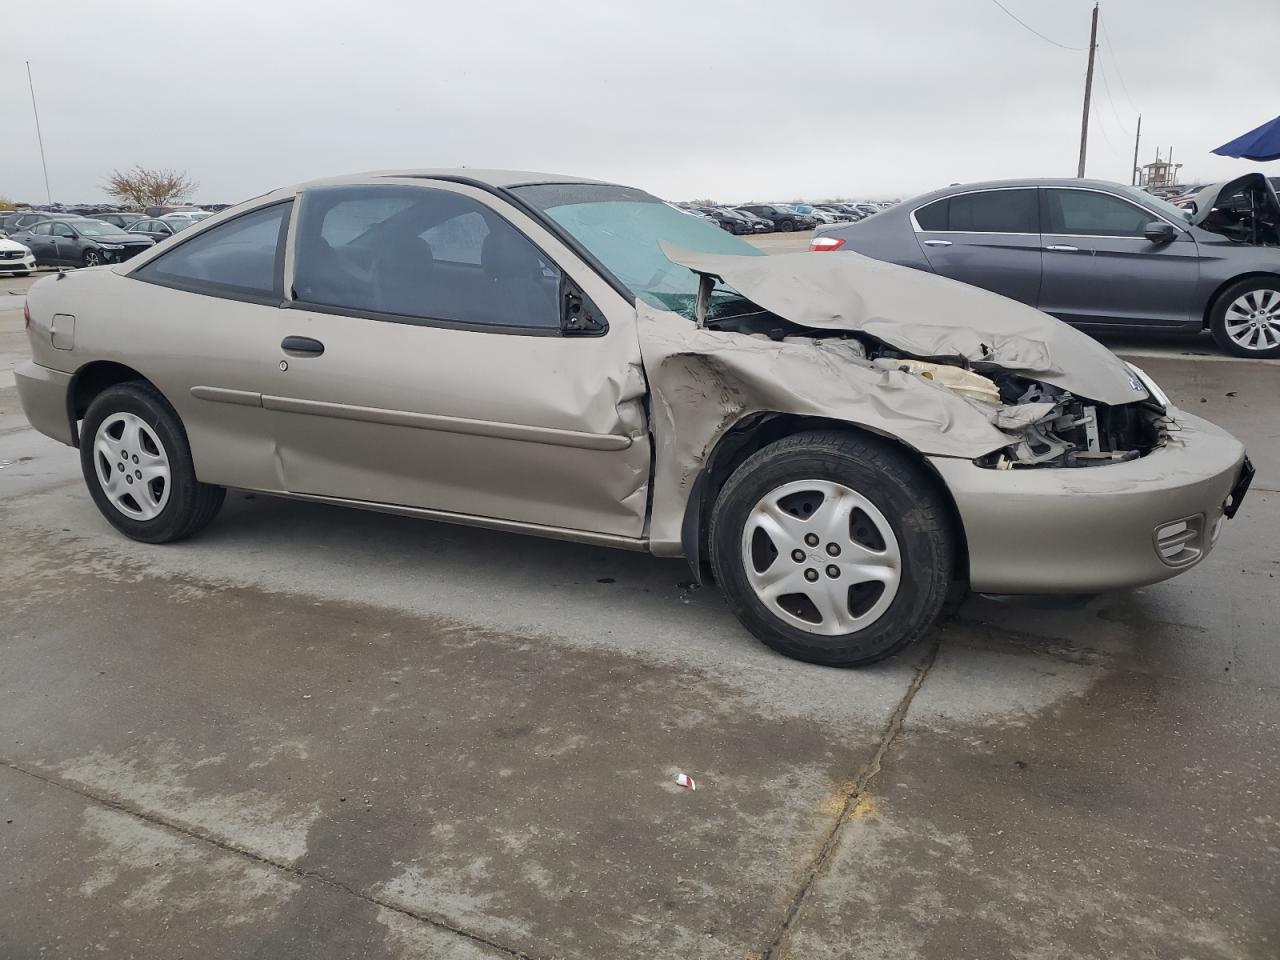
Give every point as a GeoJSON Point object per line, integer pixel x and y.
{"type": "Point", "coordinates": [1251, 183]}
{"type": "Point", "coordinates": [921, 314]}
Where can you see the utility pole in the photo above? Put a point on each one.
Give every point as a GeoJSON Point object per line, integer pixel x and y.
{"type": "Point", "coordinates": [1088, 91]}
{"type": "Point", "coordinates": [1137, 137]}
{"type": "Point", "coordinates": [39, 135]}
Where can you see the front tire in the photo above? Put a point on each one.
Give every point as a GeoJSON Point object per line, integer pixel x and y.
{"type": "Point", "coordinates": [832, 548]}
{"type": "Point", "coordinates": [137, 464]}
{"type": "Point", "coordinates": [1245, 318]}
{"type": "Point", "coordinates": [92, 258]}
{"type": "Point", "coordinates": [787, 226]}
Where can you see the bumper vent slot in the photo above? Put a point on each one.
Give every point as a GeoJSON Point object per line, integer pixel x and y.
{"type": "Point", "coordinates": [1180, 542]}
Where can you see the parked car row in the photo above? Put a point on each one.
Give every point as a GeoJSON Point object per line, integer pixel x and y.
{"type": "Point", "coordinates": [785, 217]}
{"type": "Point", "coordinates": [39, 238]}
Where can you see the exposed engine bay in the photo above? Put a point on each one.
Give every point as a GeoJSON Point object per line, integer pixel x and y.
{"type": "Point", "coordinates": [1245, 210]}
{"type": "Point", "coordinates": [1055, 428]}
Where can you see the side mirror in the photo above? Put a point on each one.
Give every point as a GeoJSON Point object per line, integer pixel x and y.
{"type": "Point", "coordinates": [1157, 231]}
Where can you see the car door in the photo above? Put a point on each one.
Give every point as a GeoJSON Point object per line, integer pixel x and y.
{"type": "Point", "coordinates": [65, 243]}
{"type": "Point", "coordinates": [201, 326]}
{"type": "Point", "coordinates": [423, 362]}
{"type": "Point", "coordinates": [989, 238]}
{"type": "Point", "coordinates": [40, 240]}
{"type": "Point", "coordinates": [1099, 267]}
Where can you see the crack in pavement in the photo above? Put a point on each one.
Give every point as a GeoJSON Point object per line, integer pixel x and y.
{"type": "Point", "coordinates": [193, 834]}
{"type": "Point", "coordinates": [861, 784]}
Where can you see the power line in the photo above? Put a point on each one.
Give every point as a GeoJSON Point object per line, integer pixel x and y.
{"type": "Point", "coordinates": [1033, 29]}
{"type": "Point", "coordinates": [1111, 52]}
{"type": "Point", "coordinates": [1106, 88]}
{"type": "Point", "coordinates": [1103, 130]}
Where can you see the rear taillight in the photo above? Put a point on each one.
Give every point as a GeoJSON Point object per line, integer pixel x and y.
{"type": "Point", "coordinates": [825, 244]}
{"type": "Point", "coordinates": [26, 316]}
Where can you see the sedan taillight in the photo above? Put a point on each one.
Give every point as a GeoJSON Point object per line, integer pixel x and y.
{"type": "Point", "coordinates": [825, 244]}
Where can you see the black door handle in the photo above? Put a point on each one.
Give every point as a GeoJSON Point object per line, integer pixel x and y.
{"type": "Point", "coordinates": [302, 346]}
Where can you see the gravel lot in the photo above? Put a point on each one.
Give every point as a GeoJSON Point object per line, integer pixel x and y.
{"type": "Point", "coordinates": [313, 732]}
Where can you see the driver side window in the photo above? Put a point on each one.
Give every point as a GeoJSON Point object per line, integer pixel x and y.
{"type": "Point", "coordinates": [420, 254]}
{"type": "Point", "coordinates": [1088, 213]}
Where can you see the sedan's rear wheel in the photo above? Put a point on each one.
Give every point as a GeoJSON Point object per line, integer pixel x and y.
{"type": "Point", "coordinates": [92, 258]}
{"type": "Point", "coordinates": [832, 548]}
{"type": "Point", "coordinates": [1246, 319]}
{"type": "Point", "coordinates": [137, 463]}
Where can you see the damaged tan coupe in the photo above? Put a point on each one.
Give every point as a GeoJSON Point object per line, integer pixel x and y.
{"type": "Point", "coordinates": [837, 442]}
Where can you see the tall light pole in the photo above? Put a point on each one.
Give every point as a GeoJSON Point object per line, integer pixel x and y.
{"type": "Point", "coordinates": [39, 136]}
{"type": "Point", "coordinates": [1088, 91]}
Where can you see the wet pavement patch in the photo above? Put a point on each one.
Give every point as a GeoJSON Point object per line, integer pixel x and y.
{"type": "Point", "coordinates": [499, 785]}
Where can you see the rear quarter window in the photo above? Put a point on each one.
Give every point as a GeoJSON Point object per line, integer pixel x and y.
{"type": "Point", "coordinates": [239, 259]}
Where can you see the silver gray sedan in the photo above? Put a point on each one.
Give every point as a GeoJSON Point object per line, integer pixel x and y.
{"type": "Point", "coordinates": [1098, 254]}
{"type": "Point", "coordinates": [837, 442]}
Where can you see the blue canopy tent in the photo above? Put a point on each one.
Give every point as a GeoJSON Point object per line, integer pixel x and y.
{"type": "Point", "coordinates": [1262, 143]}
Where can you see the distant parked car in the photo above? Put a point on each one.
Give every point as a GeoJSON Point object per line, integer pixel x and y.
{"type": "Point", "coordinates": [837, 213]}
{"type": "Point", "coordinates": [17, 222]}
{"type": "Point", "coordinates": [728, 220]}
{"type": "Point", "coordinates": [80, 242]}
{"type": "Point", "coordinates": [16, 258]}
{"type": "Point", "coordinates": [160, 229]}
{"type": "Point", "coordinates": [122, 220]}
{"type": "Point", "coordinates": [757, 223]}
{"type": "Point", "coordinates": [160, 211]}
{"type": "Point", "coordinates": [1098, 254]}
{"type": "Point", "coordinates": [781, 216]}
{"type": "Point", "coordinates": [819, 216]}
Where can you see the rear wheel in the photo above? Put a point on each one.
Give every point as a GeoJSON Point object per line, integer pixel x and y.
{"type": "Point", "coordinates": [832, 548]}
{"type": "Point", "coordinates": [137, 463]}
{"type": "Point", "coordinates": [1245, 319]}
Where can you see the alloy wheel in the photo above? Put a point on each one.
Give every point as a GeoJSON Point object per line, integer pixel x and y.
{"type": "Point", "coordinates": [92, 258]}
{"type": "Point", "coordinates": [1252, 320]}
{"type": "Point", "coordinates": [132, 466]}
{"type": "Point", "coordinates": [821, 557]}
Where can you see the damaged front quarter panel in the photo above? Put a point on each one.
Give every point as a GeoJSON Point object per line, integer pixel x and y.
{"type": "Point", "coordinates": [702, 382]}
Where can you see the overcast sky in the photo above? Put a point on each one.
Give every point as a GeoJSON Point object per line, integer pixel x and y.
{"type": "Point", "coordinates": [731, 99]}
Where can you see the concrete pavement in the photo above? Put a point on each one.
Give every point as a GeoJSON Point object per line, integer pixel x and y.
{"type": "Point", "coordinates": [313, 732]}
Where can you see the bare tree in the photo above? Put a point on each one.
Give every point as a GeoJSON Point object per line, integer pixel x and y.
{"type": "Point", "coordinates": [141, 187]}
{"type": "Point", "coordinates": [7, 204]}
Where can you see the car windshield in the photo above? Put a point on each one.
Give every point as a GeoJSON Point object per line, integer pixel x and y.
{"type": "Point", "coordinates": [1165, 208]}
{"type": "Point", "coordinates": [94, 228]}
{"type": "Point", "coordinates": [622, 228]}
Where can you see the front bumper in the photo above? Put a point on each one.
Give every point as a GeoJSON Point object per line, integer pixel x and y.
{"type": "Point", "coordinates": [20, 265]}
{"type": "Point", "coordinates": [1091, 529]}
{"type": "Point", "coordinates": [43, 394]}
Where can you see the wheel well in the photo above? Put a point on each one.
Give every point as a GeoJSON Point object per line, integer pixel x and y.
{"type": "Point", "coordinates": [89, 381]}
{"type": "Point", "coordinates": [1213, 298]}
{"type": "Point", "coordinates": [757, 431]}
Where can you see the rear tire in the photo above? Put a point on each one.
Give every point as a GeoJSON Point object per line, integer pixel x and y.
{"type": "Point", "coordinates": [832, 548]}
{"type": "Point", "coordinates": [137, 464]}
{"type": "Point", "coordinates": [1248, 313]}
